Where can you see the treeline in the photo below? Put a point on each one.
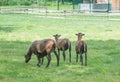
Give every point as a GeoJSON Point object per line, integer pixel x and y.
{"type": "Point", "coordinates": [27, 2]}
{"type": "Point", "coordinates": [16, 2]}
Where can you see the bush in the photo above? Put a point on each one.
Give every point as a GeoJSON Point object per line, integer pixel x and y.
{"type": "Point", "coordinates": [27, 2]}
{"type": "Point", "coordinates": [3, 2]}
{"type": "Point", "coordinates": [16, 2]}
{"type": "Point", "coordinates": [12, 2]}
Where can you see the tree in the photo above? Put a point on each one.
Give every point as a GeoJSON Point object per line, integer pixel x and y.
{"type": "Point", "coordinates": [57, 4]}
{"type": "Point", "coordinates": [62, 1]}
{"type": "Point", "coordinates": [38, 2]}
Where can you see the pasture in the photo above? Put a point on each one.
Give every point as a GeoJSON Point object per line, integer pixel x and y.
{"type": "Point", "coordinates": [17, 31]}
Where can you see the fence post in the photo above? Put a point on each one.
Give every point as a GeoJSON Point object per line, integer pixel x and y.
{"type": "Point", "coordinates": [0, 10]}
{"type": "Point", "coordinates": [57, 4]}
{"type": "Point", "coordinates": [64, 13]}
{"type": "Point", "coordinates": [46, 11]}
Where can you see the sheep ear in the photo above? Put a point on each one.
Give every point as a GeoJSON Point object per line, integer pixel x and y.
{"type": "Point", "coordinates": [76, 34]}
{"type": "Point", "coordinates": [59, 35]}
{"type": "Point", "coordinates": [83, 34]}
{"type": "Point", "coordinates": [53, 35]}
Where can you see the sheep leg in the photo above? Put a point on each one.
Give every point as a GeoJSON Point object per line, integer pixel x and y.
{"type": "Point", "coordinates": [39, 60]}
{"type": "Point", "coordinates": [81, 59]}
{"type": "Point", "coordinates": [76, 57]}
{"type": "Point", "coordinates": [64, 55]}
{"type": "Point", "coordinates": [49, 59]}
{"type": "Point", "coordinates": [57, 56]}
{"type": "Point", "coordinates": [85, 59]}
{"type": "Point", "coordinates": [42, 60]}
{"type": "Point", "coordinates": [70, 55]}
{"type": "Point", "coordinates": [59, 53]}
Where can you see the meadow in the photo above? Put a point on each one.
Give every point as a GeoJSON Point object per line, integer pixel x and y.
{"type": "Point", "coordinates": [18, 31]}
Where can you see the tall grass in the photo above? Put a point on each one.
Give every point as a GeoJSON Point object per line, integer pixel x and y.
{"type": "Point", "coordinates": [18, 31]}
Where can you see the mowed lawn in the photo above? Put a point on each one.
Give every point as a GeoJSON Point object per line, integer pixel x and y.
{"type": "Point", "coordinates": [18, 31]}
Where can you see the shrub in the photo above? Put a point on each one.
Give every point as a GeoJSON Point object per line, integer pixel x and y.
{"type": "Point", "coordinates": [16, 2]}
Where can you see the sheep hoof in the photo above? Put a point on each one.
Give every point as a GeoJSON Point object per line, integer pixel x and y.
{"type": "Point", "coordinates": [85, 64]}
{"type": "Point", "coordinates": [46, 66]}
{"type": "Point", "coordinates": [38, 65]}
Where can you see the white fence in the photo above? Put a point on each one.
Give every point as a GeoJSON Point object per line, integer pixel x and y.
{"type": "Point", "coordinates": [94, 7]}
{"type": "Point", "coordinates": [25, 10]}
{"type": "Point", "coordinates": [73, 14]}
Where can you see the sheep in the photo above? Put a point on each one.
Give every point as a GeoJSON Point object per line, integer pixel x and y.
{"type": "Point", "coordinates": [63, 45]}
{"type": "Point", "coordinates": [42, 48]}
{"type": "Point", "coordinates": [81, 47]}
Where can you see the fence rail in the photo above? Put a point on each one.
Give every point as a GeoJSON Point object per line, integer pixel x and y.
{"type": "Point", "coordinates": [43, 11]}
{"type": "Point", "coordinates": [23, 10]}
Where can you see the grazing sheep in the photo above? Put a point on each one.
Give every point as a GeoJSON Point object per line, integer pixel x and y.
{"type": "Point", "coordinates": [42, 48]}
{"type": "Point", "coordinates": [63, 45]}
{"type": "Point", "coordinates": [81, 47]}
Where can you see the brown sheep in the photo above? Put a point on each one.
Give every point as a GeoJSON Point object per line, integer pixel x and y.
{"type": "Point", "coordinates": [63, 45]}
{"type": "Point", "coordinates": [42, 48]}
{"type": "Point", "coordinates": [81, 47]}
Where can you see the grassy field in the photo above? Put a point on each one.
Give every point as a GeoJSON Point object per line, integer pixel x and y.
{"type": "Point", "coordinates": [18, 31]}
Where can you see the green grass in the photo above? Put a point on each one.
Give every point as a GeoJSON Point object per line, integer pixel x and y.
{"type": "Point", "coordinates": [18, 31]}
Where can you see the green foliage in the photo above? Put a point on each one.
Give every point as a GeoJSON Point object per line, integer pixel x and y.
{"type": "Point", "coordinates": [12, 2]}
{"type": "Point", "coordinates": [77, 1]}
{"type": "Point", "coordinates": [27, 2]}
{"type": "Point", "coordinates": [30, 2]}
{"type": "Point", "coordinates": [16, 2]}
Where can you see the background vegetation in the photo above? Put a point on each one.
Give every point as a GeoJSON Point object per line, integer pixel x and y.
{"type": "Point", "coordinates": [16, 2]}
{"type": "Point", "coordinates": [50, 4]}
{"type": "Point", "coordinates": [30, 2]}
{"type": "Point", "coordinates": [18, 31]}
